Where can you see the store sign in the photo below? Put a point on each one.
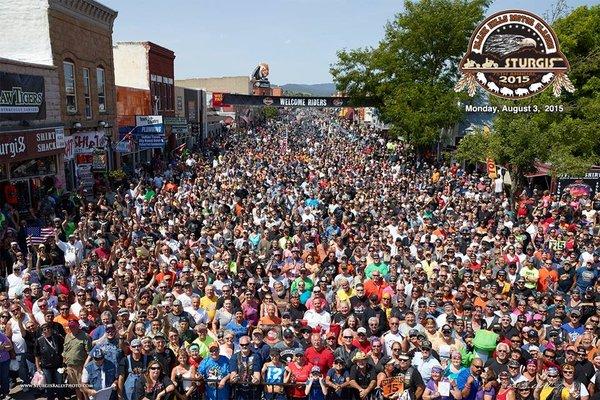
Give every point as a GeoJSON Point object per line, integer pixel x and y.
{"type": "Point", "coordinates": [33, 143]}
{"type": "Point", "coordinates": [174, 121]}
{"type": "Point", "coordinates": [87, 142]}
{"type": "Point", "coordinates": [180, 129]}
{"type": "Point", "coordinates": [22, 97]}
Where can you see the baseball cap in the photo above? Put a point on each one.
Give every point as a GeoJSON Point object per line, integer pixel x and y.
{"type": "Point", "coordinates": [288, 333]}
{"type": "Point", "coordinates": [97, 354]}
{"type": "Point", "coordinates": [361, 330]}
{"type": "Point", "coordinates": [135, 342]}
{"type": "Point", "coordinates": [315, 368]}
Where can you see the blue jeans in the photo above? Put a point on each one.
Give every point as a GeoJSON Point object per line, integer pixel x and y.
{"type": "Point", "coordinates": [23, 368]}
{"type": "Point", "coordinates": [4, 377]}
{"type": "Point", "coordinates": [52, 376]}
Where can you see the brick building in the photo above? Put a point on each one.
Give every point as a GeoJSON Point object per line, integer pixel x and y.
{"type": "Point", "coordinates": [31, 136]}
{"type": "Point", "coordinates": [75, 36]}
{"type": "Point", "coordinates": [144, 71]}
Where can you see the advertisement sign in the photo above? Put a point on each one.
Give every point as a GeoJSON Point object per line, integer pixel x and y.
{"type": "Point", "coordinates": [124, 146]}
{"type": "Point", "coordinates": [69, 148]}
{"type": "Point", "coordinates": [514, 54]}
{"type": "Point", "coordinates": [32, 143]}
{"type": "Point", "coordinates": [150, 141]}
{"type": "Point", "coordinates": [99, 160]}
{"type": "Point", "coordinates": [22, 97]}
{"type": "Point", "coordinates": [149, 132]}
{"type": "Point", "coordinates": [577, 186]}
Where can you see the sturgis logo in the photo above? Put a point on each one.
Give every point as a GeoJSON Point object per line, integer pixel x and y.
{"type": "Point", "coordinates": [514, 54]}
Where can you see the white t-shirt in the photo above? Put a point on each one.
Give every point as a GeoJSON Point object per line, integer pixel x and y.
{"type": "Point", "coordinates": [315, 319]}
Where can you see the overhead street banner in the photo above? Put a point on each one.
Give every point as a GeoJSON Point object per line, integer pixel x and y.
{"type": "Point", "coordinates": [229, 99]}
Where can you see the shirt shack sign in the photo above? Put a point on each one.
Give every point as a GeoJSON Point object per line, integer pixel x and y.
{"type": "Point", "coordinates": [22, 97]}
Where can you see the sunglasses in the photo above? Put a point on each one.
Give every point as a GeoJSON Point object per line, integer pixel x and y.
{"type": "Point", "coordinates": [154, 368]}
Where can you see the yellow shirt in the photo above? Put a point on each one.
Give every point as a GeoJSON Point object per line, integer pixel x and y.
{"type": "Point", "coordinates": [531, 276]}
{"type": "Point", "coordinates": [343, 296]}
{"type": "Point", "coordinates": [210, 305]}
{"type": "Point", "coordinates": [547, 391]}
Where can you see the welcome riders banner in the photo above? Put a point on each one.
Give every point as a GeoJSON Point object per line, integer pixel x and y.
{"type": "Point", "coordinates": [22, 97]}
{"type": "Point", "coordinates": [229, 99]}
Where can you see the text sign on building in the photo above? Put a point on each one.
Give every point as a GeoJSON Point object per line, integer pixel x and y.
{"type": "Point", "coordinates": [34, 143]}
{"type": "Point", "coordinates": [149, 132]}
{"type": "Point", "coordinates": [22, 97]}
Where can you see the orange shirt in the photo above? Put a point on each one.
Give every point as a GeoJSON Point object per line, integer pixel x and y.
{"type": "Point", "coordinates": [372, 288]}
{"type": "Point", "coordinates": [479, 302]}
{"type": "Point", "coordinates": [266, 320]}
{"type": "Point", "coordinates": [546, 277]}
{"type": "Point", "coordinates": [65, 321]}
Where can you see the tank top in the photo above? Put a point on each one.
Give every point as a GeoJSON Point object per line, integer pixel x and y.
{"type": "Point", "coordinates": [300, 375]}
{"type": "Point", "coordinates": [17, 336]}
{"type": "Point", "coordinates": [502, 394]}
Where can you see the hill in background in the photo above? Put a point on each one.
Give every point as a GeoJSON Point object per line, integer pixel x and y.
{"type": "Point", "coordinates": [319, 89]}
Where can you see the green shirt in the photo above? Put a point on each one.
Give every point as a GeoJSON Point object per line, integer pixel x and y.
{"type": "Point", "coordinates": [76, 349]}
{"type": "Point", "coordinates": [382, 267]}
{"type": "Point", "coordinates": [308, 285]}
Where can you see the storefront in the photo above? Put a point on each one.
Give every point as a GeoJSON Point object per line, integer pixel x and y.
{"type": "Point", "coordinates": [29, 166]}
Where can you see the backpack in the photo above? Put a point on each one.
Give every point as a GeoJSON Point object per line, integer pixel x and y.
{"type": "Point", "coordinates": [132, 378]}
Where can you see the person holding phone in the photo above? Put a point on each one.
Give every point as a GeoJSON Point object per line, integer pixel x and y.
{"type": "Point", "coordinates": [315, 385]}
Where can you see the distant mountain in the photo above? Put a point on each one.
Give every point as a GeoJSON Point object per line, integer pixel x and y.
{"type": "Point", "coordinates": [319, 89]}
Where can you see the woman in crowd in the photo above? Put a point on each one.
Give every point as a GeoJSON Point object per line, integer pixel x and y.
{"type": "Point", "coordinates": [154, 384]}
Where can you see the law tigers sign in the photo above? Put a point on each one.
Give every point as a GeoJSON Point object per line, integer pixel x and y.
{"type": "Point", "coordinates": [22, 97]}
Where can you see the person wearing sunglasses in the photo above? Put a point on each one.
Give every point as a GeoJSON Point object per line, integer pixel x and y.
{"type": "Point", "coordinates": [470, 386]}
{"type": "Point", "coordinates": [154, 384]}
{"type": "Point", "coordinates": [131, 369]}
{"type": "Point", "coordinates": [548, 384]}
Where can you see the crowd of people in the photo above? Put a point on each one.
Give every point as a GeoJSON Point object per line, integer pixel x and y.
{"type": "Point", "coordinates": [307, 258]}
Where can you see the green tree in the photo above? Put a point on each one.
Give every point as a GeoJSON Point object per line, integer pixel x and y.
{"type": "Point", "coordinates": [269, 112]}
{"type": "Point", "coordinates": [411, 72]}
{"type": "Point", "coordinates": [568, 139]}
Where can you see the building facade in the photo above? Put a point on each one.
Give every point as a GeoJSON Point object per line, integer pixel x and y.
{"type": "Point", "coordinates": [31, 134]}
{"type": "Point", "coordinates": [145, 71]}
{"type": "Point", "coordinates": [75, 36]}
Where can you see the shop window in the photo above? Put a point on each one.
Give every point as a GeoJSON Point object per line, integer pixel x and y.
{"type": "Point", "coordinates": [38, 167]}
{"type": "Point", "coordinates": [86, 93]}
{"type": "Point", "coordinates": [3, 172]}
{"type": "Point", "coordinates": [100, 81]}
{"type": "Point", "coordinates": [70, 91]}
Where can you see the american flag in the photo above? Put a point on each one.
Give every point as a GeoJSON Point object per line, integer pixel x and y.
{"type": "Point", "coordinates": [38, 235]}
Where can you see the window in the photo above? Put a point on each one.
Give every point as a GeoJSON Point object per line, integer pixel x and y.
{"type": "Point", "coordinates": [71, 95]}
{"type": "Point", "coordinates": [101, 93]}
{"type": "Point", "coordinates": [86, 93]}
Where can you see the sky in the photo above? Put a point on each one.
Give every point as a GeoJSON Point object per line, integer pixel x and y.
{"type": "Point", "coordinates": [297, 38]}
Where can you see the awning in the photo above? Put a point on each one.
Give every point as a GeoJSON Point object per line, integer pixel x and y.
{"type": "Point", "coordinates": [541, 169]}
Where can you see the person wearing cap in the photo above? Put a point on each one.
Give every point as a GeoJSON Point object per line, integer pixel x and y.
{"type": "Point", "coordinates": [573, 327]}
{"type": "Point", "coordinates": [99, 374]}
{"type": "Point", "coordinates": [216, 373]}
{"type": "Point", "coordinates": [425, 360]}
{"type": "Point", "coordinates": [131, 368]}
{"type": "Point", "coordinates": [109, 345]}
{"type": "Point", "coordinates": [76, 349]}
{"type": "Point", "coordinates": [245, 367]}
{"type": "Point", "coordinates": [49, 359]}
{"type": "Point", "coordinates": [274, 375]}
{"type": "Point", "coordinates": [548, 385]}
{"type": "Point", "coordinates": [288, 345]}
{"type": "Point", "coordinates": [337, 380]}
{"type": "Point", "coordinates": [177, 313]}
{"type": "Point", "coordinates": [72, 249]}
{"type": "Point", "coordinates": [315, 385]}
{"type": "Point", "coordinates": [298, 371]}
{"type": "Point", "coordinates": [363, 377]}
{"type": "Point", "coordinates": [163, 353]}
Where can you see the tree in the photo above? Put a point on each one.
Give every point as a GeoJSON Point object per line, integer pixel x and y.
{"type": "Point", "coordinates": [568, 139]}
{"type": "Point", "coordinates": [411, 72]}
{"type": "Point", "coordinates": [269, 112]}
